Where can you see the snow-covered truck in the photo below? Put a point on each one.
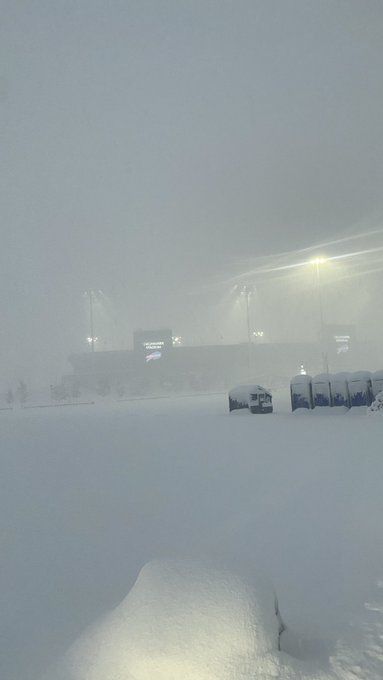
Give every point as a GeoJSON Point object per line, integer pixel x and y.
{"type": "Point", "coordinates": [253, 397]}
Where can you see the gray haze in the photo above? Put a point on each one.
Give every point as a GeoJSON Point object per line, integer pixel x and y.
{"type": "Point", "coordinates": [151, 148]}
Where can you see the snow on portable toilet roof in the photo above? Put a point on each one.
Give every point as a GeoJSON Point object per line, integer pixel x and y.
{"type": "Point", "coordinates": [301, 380]}
{"type": "Point", "coordinates": [359, 375]}
{"type": "Point", "coordinates": [321, 378]}
{"type": "Point", "coordinates": [341, 377]}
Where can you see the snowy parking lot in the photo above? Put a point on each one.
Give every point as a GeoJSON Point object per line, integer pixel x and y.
{"type": "Point", "coordinates": [90, 494]}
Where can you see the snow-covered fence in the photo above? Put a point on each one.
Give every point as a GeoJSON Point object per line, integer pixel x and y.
{"type": "Point", "coordinates": [301, 392]}
{"type": "Point", "coordinates": [360, 388]}
{"type": "Point", "coordinates": [321, 390]}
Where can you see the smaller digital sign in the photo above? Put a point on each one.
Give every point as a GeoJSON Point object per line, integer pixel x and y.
{"type": "Point", "coordinates": [342, 343]}
{"type": "Point", "coordinates": [339, 338]}
{"type": "Point", "coordinates": [153, 344]}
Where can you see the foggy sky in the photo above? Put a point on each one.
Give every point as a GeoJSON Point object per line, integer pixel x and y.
{"type": "Point", "coordinates": [148, 145]}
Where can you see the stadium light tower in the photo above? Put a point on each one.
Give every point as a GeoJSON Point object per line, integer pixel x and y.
{"type": "Point", "coordinates": [90, 294]}
{"type": "Point", "coordinates": [317, 262]}
{"type": "Point", "coordinates": [247, 291]}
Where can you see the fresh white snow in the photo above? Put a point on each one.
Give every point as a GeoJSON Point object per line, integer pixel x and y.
{"type": "Point", "coordinates": [182, 619]}
{"type": "Point", "coordinates": [91, 495]}
{"type": "Point", "coordinates": [377, 405]}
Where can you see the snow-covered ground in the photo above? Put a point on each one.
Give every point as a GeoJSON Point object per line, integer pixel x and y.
{"type": "Point", "coordinates": [89, 494]}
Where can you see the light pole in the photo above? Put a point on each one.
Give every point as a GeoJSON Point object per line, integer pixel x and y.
{"type": "Point", "coordinates": [90, 295]}
{"type": "Point", "coordinates": [91, 319]}
{"type": "Point", "coordinates": [246, 291]}
{"type": "Point", "coordinates": [317, 262]}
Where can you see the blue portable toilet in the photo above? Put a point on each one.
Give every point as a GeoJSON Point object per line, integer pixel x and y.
{"type": "Point", "coordinates": [377, 383]}
{"type": "Point", "coordinates": [321, 390]}
{"type": "Point", "coordinates": [301, 392]}
{"type": "Point", "coordinates": [339, 389]}
{"type": "Point", "coordinates": [360, 388]}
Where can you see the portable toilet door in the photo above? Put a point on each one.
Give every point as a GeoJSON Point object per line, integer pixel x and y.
{"type": "Point", "coordinates": [360, 388]}
{"type": "Point", "coordinates": [377, 383]}
{"type": "Point", "coordinates": [301, 392]}
{"type": "Point", "coordinates": [321, 390]}
{"type": "Point", "coordinates": [339, 389]}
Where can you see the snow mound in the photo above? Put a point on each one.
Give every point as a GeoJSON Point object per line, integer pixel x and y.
{"type": "Point", "coordinates": [377, 405]}
{"type": "Point", "coordinates": [185, 621]}
{"type": "Point", "coordinates": [360, 655]}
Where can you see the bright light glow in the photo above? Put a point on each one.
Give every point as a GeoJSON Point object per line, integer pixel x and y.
{"type": "Point", "coordinates": [177, 340]}
{"type": "Point", "coordinates": [244, 290]}
{"type": "Point", "coordinates": [318, 260]}
{"type": "Point", "coordinates": [262, 269]}
{"type": "Point", "coordinates": [258, 334]}
{"type": "Point", "coordinates": [90, 340]}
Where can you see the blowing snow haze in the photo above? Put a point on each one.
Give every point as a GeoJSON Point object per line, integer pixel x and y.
{"type": "Point", "coordinates": [151, 148]}
{"type": "Point", "coordinates": [192, 210]}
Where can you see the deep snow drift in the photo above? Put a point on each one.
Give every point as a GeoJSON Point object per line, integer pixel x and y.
{"type": "Point", "coordinates": [181, 620]}
{"type": "Point", "coordinates": [191, 621]}
{"type": "Point", "coordinates": [90, 495]}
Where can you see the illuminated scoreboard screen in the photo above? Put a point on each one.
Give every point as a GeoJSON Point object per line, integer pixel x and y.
{"type": "Point", "coordinates": [153, 345]}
